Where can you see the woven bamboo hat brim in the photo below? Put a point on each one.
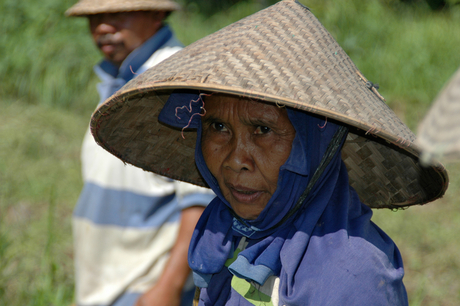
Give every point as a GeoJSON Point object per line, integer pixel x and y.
{"type": "Point", "coordinates": [91, 7]}
{"type": "Point", "coordinates": [279, 55]}
{"type": "Point", "coordinates": [439, 132]}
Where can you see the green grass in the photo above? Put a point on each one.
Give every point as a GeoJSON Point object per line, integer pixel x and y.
{"type": "Point", "coordinates": [47, 94]}
{"type": "Point", "coordinates": [39, 183]}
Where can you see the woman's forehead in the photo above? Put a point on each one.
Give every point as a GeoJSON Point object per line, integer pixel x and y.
{"type": "Point", "coordinates": [245, 109]}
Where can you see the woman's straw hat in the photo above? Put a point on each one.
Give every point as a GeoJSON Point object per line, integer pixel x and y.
{"type": "Point", "coordinates": [439, 132]}
{"type": "Point", "coordinates": [91, 7]}
{"type": "Point", "coordinates": [281, 55]}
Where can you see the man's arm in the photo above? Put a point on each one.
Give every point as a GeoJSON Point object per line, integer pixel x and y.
{"type": "Point", "coordinates": [168, 289]}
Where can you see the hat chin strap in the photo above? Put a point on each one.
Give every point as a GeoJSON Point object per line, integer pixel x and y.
{"type": "Point", "coordinates": [334, 146]}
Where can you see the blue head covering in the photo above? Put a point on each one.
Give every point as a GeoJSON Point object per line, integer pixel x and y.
{"type": "Point", "coordinates": [324, 253]}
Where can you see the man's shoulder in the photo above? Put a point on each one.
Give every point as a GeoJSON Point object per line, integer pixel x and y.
{"type": "Point", "coordinates": [172, 46]}
{"type": "Point", "coordinates": [173, 42]}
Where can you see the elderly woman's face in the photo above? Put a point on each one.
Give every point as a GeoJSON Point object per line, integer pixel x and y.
{"type": "Point", "coordinates": [244, 144]}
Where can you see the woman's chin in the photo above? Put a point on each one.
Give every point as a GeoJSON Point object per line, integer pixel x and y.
{"type": "Point", "coordinates": [245, 212]}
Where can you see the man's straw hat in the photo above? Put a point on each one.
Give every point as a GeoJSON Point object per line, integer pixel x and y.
{"type": "Point", "coordinates": [280, 55]}
{"type": "Point", "coordinates": [439, 132]}
{"type": "Point", "coordinates": [91, 7]}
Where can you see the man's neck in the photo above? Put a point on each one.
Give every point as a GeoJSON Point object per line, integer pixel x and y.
{"type": "Point", "coordinates": [138, 57]}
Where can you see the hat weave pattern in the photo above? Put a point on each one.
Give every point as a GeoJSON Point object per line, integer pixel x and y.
{"type": "Point", "coordinates": [279, 55]}
{"type": "Point", "coordinates": [439, 132]}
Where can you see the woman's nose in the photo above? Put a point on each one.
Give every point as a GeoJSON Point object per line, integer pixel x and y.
{"type": "Point", "coordinates": [239, 157]}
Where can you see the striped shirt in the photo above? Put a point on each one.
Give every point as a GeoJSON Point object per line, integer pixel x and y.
{"type": "Point", "coordinates": [126, 219]}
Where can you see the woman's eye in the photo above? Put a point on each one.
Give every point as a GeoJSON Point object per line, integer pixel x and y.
{"type": "Point", "coordinates": [262, 130]}
{"type": "Point", "coordinates": [218, 126]}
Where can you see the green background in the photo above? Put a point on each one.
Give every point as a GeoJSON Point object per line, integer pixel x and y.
{"type": "Point", "coordinates": [47, 94]}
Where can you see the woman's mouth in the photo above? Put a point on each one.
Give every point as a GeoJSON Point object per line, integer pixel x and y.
{"type": "Point", "coordinates": [244, 195]}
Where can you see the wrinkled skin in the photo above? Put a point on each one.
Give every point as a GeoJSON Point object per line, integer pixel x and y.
{"type": "Point", "coordinates": [244, 143]}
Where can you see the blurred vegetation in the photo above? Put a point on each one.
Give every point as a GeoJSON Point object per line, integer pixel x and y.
{"type": "Point", "coordinates": [47, 93]}
{"type": "Point", "coordinates": [43, 53]}
{"type": "Point", "coordinates": [39, 183]}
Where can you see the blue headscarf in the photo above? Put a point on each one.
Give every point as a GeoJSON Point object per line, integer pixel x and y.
{"type": "Point", "coordinates": [327, 252]}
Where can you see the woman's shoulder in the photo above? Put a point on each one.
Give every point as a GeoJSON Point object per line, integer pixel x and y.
{"type": "Point", "coordinates": [352, 270]}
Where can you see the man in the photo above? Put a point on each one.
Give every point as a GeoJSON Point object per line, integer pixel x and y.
{"type": "Point", "coordinates": [131, 228]}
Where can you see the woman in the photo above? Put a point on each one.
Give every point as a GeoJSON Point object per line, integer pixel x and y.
{"type": "Point", "coordinates": [293, 140]}
{"type": "Point", "coordinates": [260, 159]}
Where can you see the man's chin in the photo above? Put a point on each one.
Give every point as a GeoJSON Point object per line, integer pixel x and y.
{"type": "Point", "coordinates": [113, 56]}
{"type": "Point", "coordinates": [116, 60]}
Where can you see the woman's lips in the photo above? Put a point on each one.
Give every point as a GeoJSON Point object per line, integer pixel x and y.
{"type": "Point", "coordinates": [244, 195]}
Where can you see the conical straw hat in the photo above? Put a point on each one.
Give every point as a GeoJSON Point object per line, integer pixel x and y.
{"type": "Point", "coordinates": [439, 132]}
{"type": "Point", "coordinates": [282, 55]}
{"type": "Point", "coordinates": [90, 7]}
